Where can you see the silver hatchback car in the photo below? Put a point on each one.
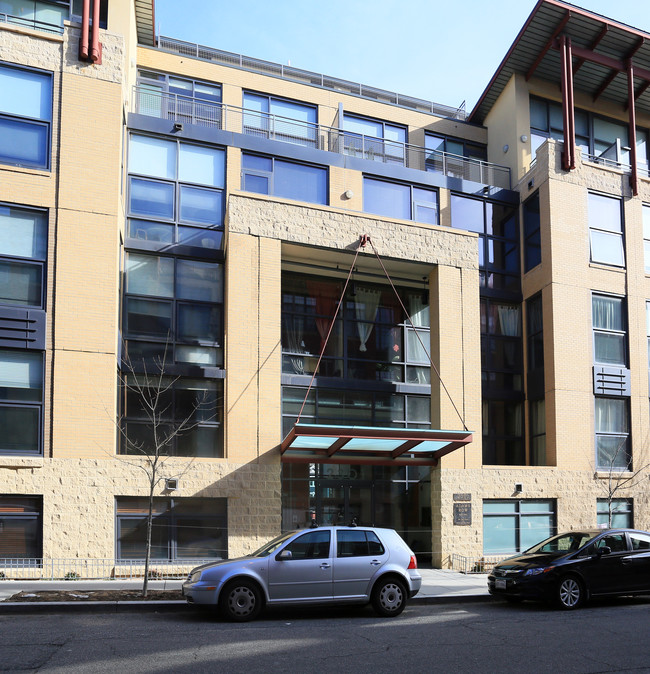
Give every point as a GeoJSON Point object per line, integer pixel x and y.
{"type": "Point", "coordinates": [321, 565]}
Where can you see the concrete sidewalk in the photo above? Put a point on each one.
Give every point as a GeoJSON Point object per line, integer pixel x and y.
{"type": "Point", "coordinates": [438, 586]}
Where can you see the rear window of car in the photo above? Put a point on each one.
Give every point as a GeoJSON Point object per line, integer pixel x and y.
{"type": "Point", "coordinates": [356, 543]}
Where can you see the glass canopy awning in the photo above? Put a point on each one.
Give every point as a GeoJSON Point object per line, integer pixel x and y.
{"type": "Point", "coordinates": [312, 443]}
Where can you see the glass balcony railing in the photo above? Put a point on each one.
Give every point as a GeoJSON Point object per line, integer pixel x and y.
{"type": "Point", "coordinates": [182, 109]}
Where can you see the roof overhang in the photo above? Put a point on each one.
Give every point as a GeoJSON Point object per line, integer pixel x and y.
{"type": "Point", "coordinates": [313, 443]}
{"type": "Point", "coordinates": [602, 50]}
{"type": "Point", "coordinates": [145, 22]}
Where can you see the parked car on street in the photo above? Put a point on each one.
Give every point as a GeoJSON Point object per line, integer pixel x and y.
{"type": "Point", "coordinates": [321, 565]}
{"type": "Point", "coordinates": [572, 567]}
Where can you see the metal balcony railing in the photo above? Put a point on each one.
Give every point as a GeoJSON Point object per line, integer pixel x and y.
{"type": "Point", "coordinates": [31, 23]}
{"type": "Point", "coordinates": [306, 77]}
{"type": "Point", "coordinates": [182, 109]}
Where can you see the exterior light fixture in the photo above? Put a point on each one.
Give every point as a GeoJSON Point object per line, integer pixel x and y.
{"type": "Point", "coordinates": [171, 483]}
{"type": "Point", "coordinates": [178, 126]}
{"type": "Point", "coordinates": [348, 194]}
{"type": "Point", "coordinates": [519, 487]}
{"type": "Point", "coordinates": [524, 138]}
{"type": "Point", "coordinates": [506, 148]}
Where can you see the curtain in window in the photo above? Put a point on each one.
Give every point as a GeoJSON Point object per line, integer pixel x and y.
{"type": "Point", "coordinates": [327, 297]}
{"type": "Point", "coordinates": [418, 310]}
{"type": "Point", "coordinates": [294, 332]}
{"type": "Point", "coordinates": [611, 416]}
{"type": "Point", "coordinates": [607, 314]}
{"type": "Point", "coordinates": [509, 320]}
{"type": "Point", "coordinates": [365, 307]}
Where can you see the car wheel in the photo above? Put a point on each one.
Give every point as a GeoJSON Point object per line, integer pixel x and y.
{"type": "Point", "coordinates": [241, 600]}
{"type": "Point", "coordinates": [389, 597]}
{"type": "Point", "coordinates": [570, 593]}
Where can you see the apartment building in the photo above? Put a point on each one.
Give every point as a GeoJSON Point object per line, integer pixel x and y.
{"type": "Point", "coordinates": [351, 304]}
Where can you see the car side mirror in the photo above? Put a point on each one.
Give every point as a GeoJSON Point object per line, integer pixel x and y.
{"type": "Point", "coordinates": [605, 550]}
{"type": "Point", "coordinates": [285, 554]}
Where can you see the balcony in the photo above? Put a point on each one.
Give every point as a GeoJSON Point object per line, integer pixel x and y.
{"type": "Point", "coordinates": [182, 109]}
{"type": "Point", "coordinates": [231, 60]}
{"type": "Point", "coordinates": [29, 21]}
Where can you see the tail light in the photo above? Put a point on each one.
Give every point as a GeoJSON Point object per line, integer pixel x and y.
{"type": "Point", "coordinates": [413, 564]}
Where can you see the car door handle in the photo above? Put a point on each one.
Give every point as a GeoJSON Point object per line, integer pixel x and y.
{"type": "Point", "coordinates": [324, 565]}
{"type": "Point", "coordinates": [375, 562]}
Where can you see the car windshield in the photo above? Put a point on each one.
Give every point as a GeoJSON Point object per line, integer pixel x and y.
{"type": "Point", "coordinates": [269, 547]}
{"type": "Point", "coordinates": [562, 543]}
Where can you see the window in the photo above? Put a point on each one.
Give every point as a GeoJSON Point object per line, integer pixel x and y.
{"type": "Point", "coordinates": [21, 526]}
{"type": "Point", "coordinates": [449, 156]}
{"type": "Point", "coordinates": [178, 99]}
{"type": "Point", "coordinates": [646, 236]}
{"type": "Point", "coordinates": [46, 16]}
{"type": "Point", "coordinates": [606, 230]}
{"type": "Point", "coordinates": [25, 117]}
{"type": "Point", "coordinates": [312, 545]}
{"type": "Point", "coordinates": [175, 192]}
{"type": "Point", "coordinates": [374, 139]}
{"type": "Point", "coordinates": [396, 200]}
{"type": "Point", "coordinates": [289, 180]}
{"type": "Point", "coordinates": [194, 406]}
{"type": "Point", "coordinates": [173, 305]}
{"type": "Point", "coordinates": [534, 315]}
{"type": "Point", "coordinates": [498, 255]}
{"type": "Point", "coordinates": [532, 239]}
{"type": "Point", "coordinates": [183, 528]}
{"type": "Point", "coordinates": [21, 401]}
{"type": "Point", "coordinates": [612, 434]}
{"type": "Point", "coordinates": [610, 336]}
{"type": "Point", "coordinates": [602, 140]}
{"type": "Point", "coordinates": [358, 544]}
{"type": "Point", "coordinates": [23, 251]}
{"type": "Point", "coordinates": [103, 11]}
{"type": "Point", "coordinates": [621, 516]}
{"type": "Point", "coordinates": [516, 525]}
{"type": "Point", "coordinates": [537, 409]}
{"type": "Point", "coordinates": [280, 119]}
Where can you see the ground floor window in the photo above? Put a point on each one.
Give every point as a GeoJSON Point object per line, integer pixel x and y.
{"type": "Point", "coordinates": [398, 497]}
{"type": "Point", "coordinates": [511, 525]}
{"type": "Point", "coordinates": [21, 527]}
{"type": "Point", "coordinates": [621, 511]}
{"type": "Point", "coordinates": [183, 528]}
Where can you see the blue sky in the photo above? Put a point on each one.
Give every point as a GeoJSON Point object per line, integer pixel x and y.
{"type": "Point", "coordinates": [439, 50]}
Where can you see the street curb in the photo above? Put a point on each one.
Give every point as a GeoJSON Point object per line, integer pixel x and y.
{"type": "Point", "coordinates": [32, 607]}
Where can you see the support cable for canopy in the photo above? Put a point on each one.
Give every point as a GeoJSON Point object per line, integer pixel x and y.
{"type": "Point", "coordinates": [363, 240]}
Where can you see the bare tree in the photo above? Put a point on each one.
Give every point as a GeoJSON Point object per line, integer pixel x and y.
{"type": "Point", "coordinates": [150, 388]}
{"type": "Point", "coordinates": [617, 476]}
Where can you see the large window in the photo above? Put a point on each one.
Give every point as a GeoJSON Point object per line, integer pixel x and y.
{"type": "Point", "coordinates": [498, 252]}
{"type": "Point", "coordinates": [280, 119]}
{"type": "Point", "coordinates": [374, 139]}
{"type": "Point", "coordinates": [511, 526]}
{"type": "Point", "coordinates": [613, 452]}
{"type": "Point", "coordinates": [603, 140]}
{"type": "Point", "coordinates": [21, 401]}
{"type": "Point", "coordinates": [21, 527]}
{"type": "Point", "coordinates": [175, 192]}
{"type": "Point", "coordinates": [173, 308]}
{"type": "Point", "coordinates": [23, 251]}
{"type": "Point", "coordinates": [535, 333]}
{"type": "Point", "coordinates": [25, 117]}
{"type": "Point", "coordinates": [610, 334]}
{"type": "Point", "coordinates": [532, 239]}
{"type": "Point", "coordinates": [47, 16]}
{"type": "Point", "coordinates": [182, 100]}
{"type": "Point", "coordinates": [397, 200]}
{"type": "Point", "coordinates": [621, 513]}
{"type": "Point", "coordinates": [172, 416]}
{"type": "Point", "coordinates": [183, 528]}
{"type": "Point", "coordinates": [289, 180]}
{"type": "Point", "coordinates": [606, 230]}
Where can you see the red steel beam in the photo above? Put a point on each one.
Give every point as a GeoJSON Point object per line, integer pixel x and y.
{"type": "Point", "coordinates": [548, 45]}
{"type": "Point", "coordinates": [634, 175]}
{"type": "Point", "coordinates": [568, 118]}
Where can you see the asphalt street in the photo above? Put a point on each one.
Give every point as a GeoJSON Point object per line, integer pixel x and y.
{"type": "Point", "coordinates": [489, 636]}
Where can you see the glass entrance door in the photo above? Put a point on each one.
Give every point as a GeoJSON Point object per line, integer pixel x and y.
{"type": "Point", "coordinates": [339, 502]}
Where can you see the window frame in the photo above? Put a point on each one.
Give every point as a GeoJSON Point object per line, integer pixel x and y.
{"type": "Point", "coordinates": [35, 516]}
{"type": "Point", "coordinates": [413, 201]}
{"type": "Point", "coordinates": [271, 175]}
{"type": "Point", "coordinates": [519, 515]}
{"type": "Point", "coordinates": [603, 232]}
{"type": "Point", "coordinates": [32, 121]}
{"type": "Point", "coordinates": [624, 437]}
{"type": "Point", "coordinates": [620, 506]}
{"type": "Point", "coordinates": [598, 331]}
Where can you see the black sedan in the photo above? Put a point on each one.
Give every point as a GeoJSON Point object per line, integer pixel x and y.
{"type": "Point", "coordinates": [569, 568]}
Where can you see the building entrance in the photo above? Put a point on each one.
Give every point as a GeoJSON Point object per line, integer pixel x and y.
{"type": "Point", "coordinates": [339, 502]}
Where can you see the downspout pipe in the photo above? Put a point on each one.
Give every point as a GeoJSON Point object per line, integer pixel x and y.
{"type": "Point", "coordinates": [95, 54]}
{"type": "Point", "coordinates": [85, 26]}
{"type": "Point", "coordinates": [634, 175]}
